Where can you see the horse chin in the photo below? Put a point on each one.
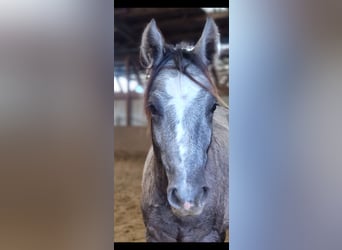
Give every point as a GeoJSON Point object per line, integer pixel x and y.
{"type": "Point", "coordinates": [182, 212]}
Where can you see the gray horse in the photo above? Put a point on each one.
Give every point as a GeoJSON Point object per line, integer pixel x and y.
{"type": "Point", "coordinates": [185, 178]}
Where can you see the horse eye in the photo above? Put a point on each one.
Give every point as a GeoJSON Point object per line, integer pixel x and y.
{"type": "Point", "coordinates": [153, 109]}
{"type": "Point", "coordinates": [213, 108]}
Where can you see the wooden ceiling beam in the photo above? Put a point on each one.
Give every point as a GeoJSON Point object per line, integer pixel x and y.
{"type": "Point", "coordinates": [139, 12]}
{"type": "Point", "coordinates": [219, 15]}
{"type": "Point", "coordinates": [199, 19]}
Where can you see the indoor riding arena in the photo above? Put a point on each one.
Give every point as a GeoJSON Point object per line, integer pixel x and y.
{"type": "Point", "coordinates": [131, 136]}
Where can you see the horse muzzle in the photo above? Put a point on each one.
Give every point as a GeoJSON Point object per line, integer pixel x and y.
{"type": "Point", "coordinates": [185, 201]}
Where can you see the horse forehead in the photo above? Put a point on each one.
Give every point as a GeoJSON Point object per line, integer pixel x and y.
{"type": "Point", "coordinates": [181, 88]}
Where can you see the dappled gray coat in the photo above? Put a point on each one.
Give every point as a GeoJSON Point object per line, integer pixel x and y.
{"type": "Point", "coordinates": [212, 223]}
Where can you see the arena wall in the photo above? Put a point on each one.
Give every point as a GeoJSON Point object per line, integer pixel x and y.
{"type": "Point", "coordinates": [131, 141]}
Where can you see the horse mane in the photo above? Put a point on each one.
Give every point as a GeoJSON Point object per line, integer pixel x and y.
{"type": "Point", "coordinates": [182, 56]}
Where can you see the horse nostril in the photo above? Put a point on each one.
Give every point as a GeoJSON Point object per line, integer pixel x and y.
{"type": "Point", "coordinates": [174, 193]}
{"type": "Point", "coordinates": [173, 198]}
{"type": "Point", "coordinates": [205, 192]}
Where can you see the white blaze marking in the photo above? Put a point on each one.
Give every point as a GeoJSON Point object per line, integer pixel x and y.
{"type": "Point", "coordinates": [182, 91]}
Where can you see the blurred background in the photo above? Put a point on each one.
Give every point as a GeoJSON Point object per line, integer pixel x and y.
{"type": "Point", "coordinates": [56, 133]}
{"type": "Point", "coordinates": [131, 141]}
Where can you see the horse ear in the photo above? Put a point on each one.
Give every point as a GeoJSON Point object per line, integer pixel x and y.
{"type": "Point", "coordinates": [152, 45]}
{"type": "Point", "coordinates": [207, 46]}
